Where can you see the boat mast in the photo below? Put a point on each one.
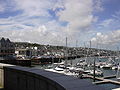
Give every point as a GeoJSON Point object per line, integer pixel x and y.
{"type": "Point", "coordinates": [117, 51]}
{"type": "Point", "coordinates": [75, 53]}
{"type": "Point", "coordinates": [118, 72]}
{"type": "Point", "coordinates": [76, 47]}
{"type": "Point", "coordinates": [94, 66]}
{"type": "Point", "coordinates": [90, 44]}
{"type": "Point", "coordinates": [90, 50]}
{"type": "Point", "coordinates": [66, 54]}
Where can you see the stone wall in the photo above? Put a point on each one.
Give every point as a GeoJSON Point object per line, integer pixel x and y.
{"type": "Point", "coordinates": [22, 78]}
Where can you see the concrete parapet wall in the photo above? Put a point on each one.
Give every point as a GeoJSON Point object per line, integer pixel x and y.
{"type": "Point", "coordinates": [1, 78]}
{"type": "Point", "coordinates": [22, 78]}
{"type": "Point", "coordinates": [2, 74]}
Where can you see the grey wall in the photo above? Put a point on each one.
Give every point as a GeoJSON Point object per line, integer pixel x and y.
{"type": "Point", "coordinates": [2, 73]}
{"type": "Point", "coordinates": [1, 77]}
{"type": "Point", "coordinates": [21, 78]}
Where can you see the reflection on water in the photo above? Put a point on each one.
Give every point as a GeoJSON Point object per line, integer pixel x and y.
{"type": "Point", "coordinates": [108, 72]}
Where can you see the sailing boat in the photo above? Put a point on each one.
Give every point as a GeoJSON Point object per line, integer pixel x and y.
{"type": "Point", "coordinates": [58, 67]}
{"type": "Point", "coordinates": [93, 71]}
{"type": "Point", "coordinates": [118, 73]}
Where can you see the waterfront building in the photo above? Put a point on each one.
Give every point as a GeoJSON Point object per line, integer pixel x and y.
{"type": "Point", "coordinates": [25, 52]}
{"type": "Point", "coordinates": [7, 48]}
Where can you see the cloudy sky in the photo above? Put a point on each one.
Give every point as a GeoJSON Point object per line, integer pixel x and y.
{"type": "Point", "coordinates": [51, 21]}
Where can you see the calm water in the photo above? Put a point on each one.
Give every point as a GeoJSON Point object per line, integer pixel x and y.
{"type": "Point", "coordinates": [106, 72]}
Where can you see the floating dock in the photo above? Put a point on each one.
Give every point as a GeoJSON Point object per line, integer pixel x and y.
{"type": "Point", "coordinates": [116, 89]}
{"type": "Point", "coordinates": [111, 76]}
{"type": "Point", "coordinates": [102, 80]}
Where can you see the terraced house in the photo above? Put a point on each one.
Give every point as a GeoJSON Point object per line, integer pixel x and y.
{"type": "Point", "coordinates": [7, 48]}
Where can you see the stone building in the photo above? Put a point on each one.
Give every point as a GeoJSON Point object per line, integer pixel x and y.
{"type": "Point", "coordinates": [7, 48]}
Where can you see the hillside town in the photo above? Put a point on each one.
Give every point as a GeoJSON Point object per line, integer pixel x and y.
{"type": "Point", "coordinates": [25, 50]}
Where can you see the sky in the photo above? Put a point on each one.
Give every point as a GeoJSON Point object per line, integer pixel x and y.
{"type": "Point", "coordinates": [51, 21]}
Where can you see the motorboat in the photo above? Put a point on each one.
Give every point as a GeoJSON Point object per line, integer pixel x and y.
{"type": "Point", "coordinates": [106, 66]}
{"type": "Point", "coordinates": [58, 68]}
{"type": "Point", "coordinates": [87, 71]}
{"type": "Point", "coordinates": [81, 64]}
{"type": "Point", "coordinates": [97, 72]}
{"type": "Point", "coordinates": [114, 67]}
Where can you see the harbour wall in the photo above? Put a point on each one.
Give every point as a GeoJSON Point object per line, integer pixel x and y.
{"type": "Point", "coordinates": [45, 60]}
{"type": "Point", "coordinates": [17, 62]}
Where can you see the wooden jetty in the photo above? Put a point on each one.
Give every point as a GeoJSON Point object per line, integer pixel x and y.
{"type": "Point", "coordinates": [102, 80]}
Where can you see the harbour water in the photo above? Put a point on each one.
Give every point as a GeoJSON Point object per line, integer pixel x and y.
{"type": "Point", "coordinates": [106, 72]}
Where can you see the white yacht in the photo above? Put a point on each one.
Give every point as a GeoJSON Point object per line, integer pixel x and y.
{"type": "Point", "coordinates": [114, 67]}
{"type": "Point", "coordinates": [97, 72]}
{"type": "Point", "coordinates": [107, 66]}
{"type": "Point", "coordinates": [58, 68]}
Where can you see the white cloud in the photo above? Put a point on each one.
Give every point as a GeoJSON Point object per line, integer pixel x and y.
{"type": "Point", "coordinates": [2, 7]}
{"type": "Point", "coordinates": [78, 13]}
{"type": "Point", "coordinates": [110, 24]}
{"type": "Point", "coordinates": [99, 34]}
{"type": "Point", "coordinates": [107, 22]}
{"type": "Point", "coordinates": [34, 7]}
{"type": "Point", "coordinates": [98, 5]}
{"type": "Point", "coordinates": [34, 24]}
{"type": "Point", "coordinates": [110, 39]}
{"type": "Point", "coordinates": [40, 34]}
{"type": "Point", "coordinates": [117, 15]}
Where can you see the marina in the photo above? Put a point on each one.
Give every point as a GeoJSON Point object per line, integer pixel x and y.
{"type": "Point", "coordinates": [109, 76]}
{"type": "Point", "coordinates": [59, 44]}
